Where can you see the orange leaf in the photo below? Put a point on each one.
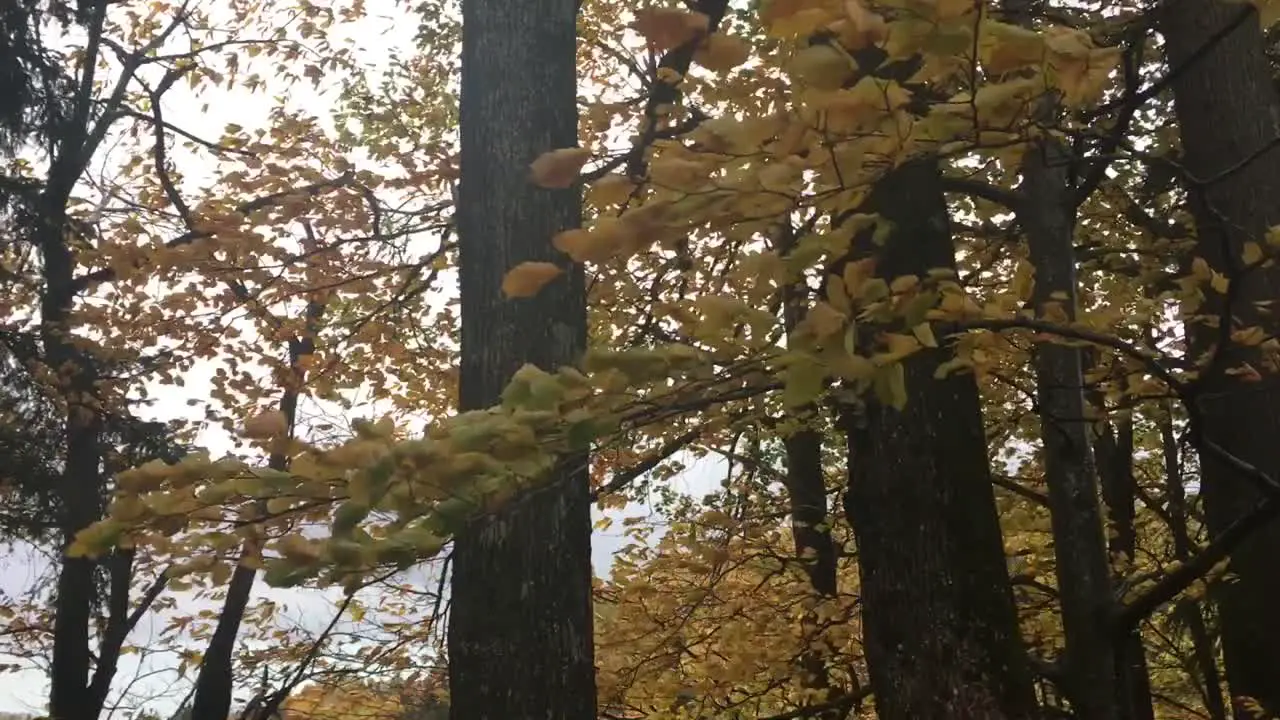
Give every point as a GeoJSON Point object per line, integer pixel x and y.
{"type": "Point", "coordinates": [527, 278]}
{"type": "Point", "coordinates": [559, 168]}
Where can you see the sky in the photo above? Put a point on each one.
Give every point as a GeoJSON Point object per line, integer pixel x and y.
{"type": "Point", "coordinates": [387, 27]}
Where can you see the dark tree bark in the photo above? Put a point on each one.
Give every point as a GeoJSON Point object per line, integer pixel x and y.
{"type": "Point", "coordinates": [806, 486]}
{"type": "Point", "coordinates": [520, 626]}
{"type": "Point", "coordinates": [1189, 609]}
{"type": "Point", "coordinates": [1047, 215]}
{"type": "Point", "coordinates": [939, 623]}
{"type": "Point", "coordinates": [1113, 449]}
{"type": "Point", "coordinates": [1226, 105]}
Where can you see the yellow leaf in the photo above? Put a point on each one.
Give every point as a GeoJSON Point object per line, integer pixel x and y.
{"type": "Point", "coordinates": [612, 189]}
{"type": "Point", "coordinates": [1083, 79]}
{"type": "Point", "coordinates": [1024, 280]}
{"type": "Point", "coordinates": [559, 168]}
{"type": "Point", "coordinates": [792, 19]}
{"type": "Point", "coordinates": [678, 173]}
{"type": "Point", "coordinates": [270, 424]}
{"type": "Point", "coordinates": [723, 52]}
{"type": "Point", "coordinates": [903, 284]}
{"type": "Point", "coordinates": [822, 67]}
{"type": "Point", "coordinates": [667, 28]}
{"type": "Point", "coordinates": [824, 320]}
{"type": "Point", "coordinates": [860, 28]}
{"type": "Point", "coordinates": [805, 381]}
{"type": "Point", "coordinates": [527, 278]}
{"type": "Point", "coordinates": [1004, 48]}
{"type": "Point", "coordinates": [1200, 269]}
{"type": "Point", "coordinates": [900, 346]}
{"type": "Point", "coordinates": [1220, 283]}
{"type": "Point", "coordinates": [944, 10]}
{"type": "Point", "coordinates": [579, 245]}
{"type": "Point", "coordinates": [891, 386]}
{"type": "Point", "coordinates": [924, 333]}
{"type": "Point", "coordinates": [851, 366]}
{"type": "Point", "coordinates": [856, 273]}
{"type": "Point", "coordinates": [1252, 253]}
{"type": "Point", "coordinates": [837, 295]}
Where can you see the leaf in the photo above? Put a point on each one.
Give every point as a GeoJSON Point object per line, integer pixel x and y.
{"type": "Point", "coordinates": [924, 333]}
{"type": "Point", "coordinates": [1252, 253]}
{"type": "Point", "coordinates": [723, 52]}
{"type": "Point", "coordinates": [527, 278]}
{"type": "Point", "coordinates": [267, 425]}
{"type": "Point", "coordinates": [559, 168]}
{"type": "Point", "coordinates": [822, 67]}
{"type": "Point", "coordinates": [667, 28]}
{"type": "Point", "coordinates": [891, 385]}
{"type": "Point", "coordinates": [805, 381]}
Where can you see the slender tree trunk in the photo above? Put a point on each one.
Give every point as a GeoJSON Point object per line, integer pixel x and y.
{"type": "Point", "coordinates": [1047, 215]}
{"type": "Point", "coordinates": [215, 682]}
{"type": "Point", "coordinates": [81, 488]}
{"type": "Point", "coordinates": [1227, 109]}
{"type": "Point", "coordinates": [807, 495]}
{"type": "Point", "coordinates": [1192, 614]}
{"type": "Point", "coordinates": [806, 486]}
{"type": "Point", "coordinates": [520, 624]}
{"type": "Point", "coordinates": [939, 623]}
{"type": "Point", "coordinates": [1114, 451]}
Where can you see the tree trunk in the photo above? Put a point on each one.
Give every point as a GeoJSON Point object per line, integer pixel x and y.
{"type": "Point", "coordinates": [1192, 614]}
{"type": "Point", "coordinates": [806, 487]}
{"type": "Point", "coordinates": [80, 489]}
{"type": "Point", "coordinates": [1227, 108]}
{"type": "Point", "coordinates": [520, 626]}
{"type": "Point", "coordinates": [939, 623]}
{"type": "Point", "coordinates": [215, 683]}
{"type": "Point", "coordinates": [1047, 215]}
{"type": "Point", "coordinates": [1113, 449]}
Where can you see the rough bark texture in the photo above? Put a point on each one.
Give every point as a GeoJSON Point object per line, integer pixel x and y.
{"type": "Point", "coordinates": [939, 625]}
{"type": "Point", "coordinates": [81, 485]}
{"type": "Point", "coordinates": [1190, 609]}
{"type": "Point", "coordinates": [520, 631]}
{"type": "Point", "coordinates": [1227, 108]}
{"type": "Point", "coordinates": [1084, 580]}
{"type": "Point", "coordinates": [806, 486]}
{"type": "Point", "coordinates": [1113, 449]}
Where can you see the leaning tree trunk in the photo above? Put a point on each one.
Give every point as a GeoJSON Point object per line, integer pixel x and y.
{"type": "Point", "coordinates": [939, 623]}
{"type": "Point", "coordinates": [520, 629]}
{"type": "Point", "coordinates": [1226, 106]}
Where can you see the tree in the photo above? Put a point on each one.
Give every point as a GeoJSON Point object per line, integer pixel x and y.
{"type": "Point", "coordinates": [805, 207]}
{"type": "Point", "coordinates": [520, 639]}
{"type": "Point", "coordinates": [1223, 90]}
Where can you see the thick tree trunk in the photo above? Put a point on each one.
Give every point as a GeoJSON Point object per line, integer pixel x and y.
{"type": "Point", "coordinates": [1227, 109]}
{"type": "Point", "coordinates": [939, 624]}
{"type": "Point", "coordinates": [1046, 214]}
{"type": "Point", "coordinates": [520, 630]}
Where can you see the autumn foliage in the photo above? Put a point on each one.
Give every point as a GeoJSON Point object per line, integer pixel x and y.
{"type": "Point", "coordinates": [747, 331]}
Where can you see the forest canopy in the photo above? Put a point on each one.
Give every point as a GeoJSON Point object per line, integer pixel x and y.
{"type": "Point", "coordinates": [575, 359]}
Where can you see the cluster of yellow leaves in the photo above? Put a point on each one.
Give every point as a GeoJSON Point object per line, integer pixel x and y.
{"type": "Point", "coordinates": [389, 502]}
{"type": "Point", "coordinates": [715, 615]}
